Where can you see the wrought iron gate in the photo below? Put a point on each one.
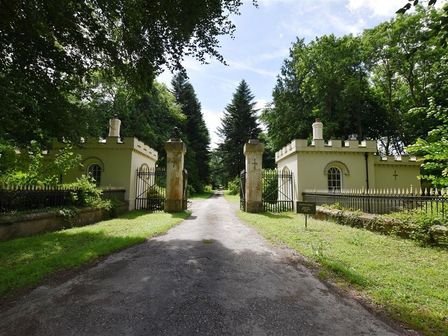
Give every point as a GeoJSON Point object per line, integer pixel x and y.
{"type": "Point", "coordinates": [150, 189]}
{"type": "Point", "coordinates": [277, 191]}
{"type": "Point", "coordinates": [185, 189]}
{"type": "Point", "coordinates": [277, 194]}
{"type": "Point", "coordinates": [243, 190]}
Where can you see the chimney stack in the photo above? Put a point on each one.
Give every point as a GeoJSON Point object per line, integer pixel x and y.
{"type": "Point", "coordinates": [318, 130]}
{"type": "Point", "coordinates": [114, 127]}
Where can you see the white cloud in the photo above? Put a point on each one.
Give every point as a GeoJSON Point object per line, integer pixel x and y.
{"type": "Point", "coordinates": [247, 66]}
{"type": "Point", "coordinates": [382, 8]}
{"type": "Point", "coordinates": [346, 26]}
{"type": "Point", "coordinates": [260, 104]}
{"type": "Point", "coordinates": [213, 121]}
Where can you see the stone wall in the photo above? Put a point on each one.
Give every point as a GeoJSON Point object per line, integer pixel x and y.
{"type": "Point", "coordinates": [437, 234]}
{"type": "Point", "coordinates": [15, 226]}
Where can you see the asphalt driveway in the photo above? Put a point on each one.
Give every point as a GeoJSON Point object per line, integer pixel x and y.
{"type": "Point", "coordinates": [210, 275]}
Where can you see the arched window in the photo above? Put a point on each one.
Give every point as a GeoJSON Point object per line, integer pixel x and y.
{"type": "Point", "coordinates": [334, 179]}
{"type": "Point", "coordinates": [95, 172]}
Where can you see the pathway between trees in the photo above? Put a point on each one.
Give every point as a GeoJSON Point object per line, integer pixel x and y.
{"type": "Point", "coordinates": [210, 275]}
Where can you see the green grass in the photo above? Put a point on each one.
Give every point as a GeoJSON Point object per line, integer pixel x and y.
{"type": "Point", "coordinates": [409, 281]}
{"type": "Point", "coordinates": [27, 261]}
{"type": "Point", "coordinates": [201, 196]}
{"type": "Point", "coordinates": [231, 198]}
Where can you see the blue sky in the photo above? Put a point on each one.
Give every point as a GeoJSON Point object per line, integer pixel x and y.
{"type": "Point", "coordinates": [262, 41]}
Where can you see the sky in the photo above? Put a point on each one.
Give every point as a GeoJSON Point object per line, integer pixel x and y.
{"type": "Point", "coordinates": [261, 43]}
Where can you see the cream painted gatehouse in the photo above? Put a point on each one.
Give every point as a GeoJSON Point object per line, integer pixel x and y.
{"type": "Point", "coordinates": [113, 162]}
{"type": "Point", "coordinates": [342, 165]}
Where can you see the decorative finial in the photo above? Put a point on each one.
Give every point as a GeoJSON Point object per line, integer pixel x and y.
{"type": "Point", "coordinates": [253, 133]}
{"type": "Point", "coordinates": [175, 136]}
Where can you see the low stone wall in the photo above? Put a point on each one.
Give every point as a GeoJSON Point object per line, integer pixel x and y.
{"type": "Point", "coordinates": [437, 234]}
{"type": "Point", "coordinates": [15, 226]}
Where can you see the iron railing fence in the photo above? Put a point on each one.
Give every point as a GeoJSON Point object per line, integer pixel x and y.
{"type": "Point", "coordinates": [33, 197]}
{"type": "Point", "coordinates": [382, 201]}
{"type": "Point", "coordinates": [20, 198]}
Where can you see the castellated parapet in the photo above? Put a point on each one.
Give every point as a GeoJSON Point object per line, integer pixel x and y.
{"type": "Point", "coordinates": [114, 143]}
{"type": "Point", "coordinates": [319, 145]}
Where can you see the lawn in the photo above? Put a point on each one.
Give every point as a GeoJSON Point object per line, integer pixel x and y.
{"type": "Point", "coordinates": [201, 196]}
{"type": "Point", "coordinates": [27, 261]}
{"type": "Point", "coordinates": [409, 281]}
{"type": "Point", "coordinates": [231, 198]}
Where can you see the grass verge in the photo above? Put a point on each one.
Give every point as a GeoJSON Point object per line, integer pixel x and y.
{"type": "Point", "coordinates": [27, 261]}
{"type": "Point", "coordinates": [408, 281]}
{"type": "Point", "coordinates": [231, 198]}
{"type": "Point", "coordinates": [201, 196]}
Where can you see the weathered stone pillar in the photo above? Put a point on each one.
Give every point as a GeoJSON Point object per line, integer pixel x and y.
{"type": "Point", "coordinates": [175, 151]}
{"type": "Point", "coordinates": [253, 150]}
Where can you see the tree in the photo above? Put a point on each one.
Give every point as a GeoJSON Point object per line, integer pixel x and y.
{"type": "Point", "coordinates": [440, 27]}
{"type": "Point", "coordinates": [434, 149]}
{"type": "Point", "coordinates": [364, 85]}
{"type": "Point", "coordinates": [50, 50]}
{"type": "Point", "coordinates": [150, 116]}
{"type": "Point", "coordinates": [328, 79]}
{"type": "Point", "coordinates": [238, 125]}
{"type": "Point", "coordinates": [195, 131]}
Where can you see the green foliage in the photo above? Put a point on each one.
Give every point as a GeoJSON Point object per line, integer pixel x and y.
{"type": "Point", "coordinates": [238, 125]}
{"type": "Point", "coordinates": [87, 194]}
{"type": "Point", "coordinates": [27, 261]}
{"type": "Point", "coordinates": [51, 51]}
{"type": "Point", "coordinates": [150, 116]}
{"type": "Point", "coordinates": [217, 170]}
{"type": "Point", "coordinates": [434, 149]}
{"type": "Point", "coordinates": [195, 133]}
{"type": "Point", "coordinates": [233, 186]}
{"type": "Point", "coordinates": [270, 186]}
{"type": "Point", "coordinates": [419, 222]}
{"type": "Point", "coordinates": [415, 224]}
{"type": "Point", "coordinates": [32, 167]}
{"type": "Point", "coordinates": [365, 85]}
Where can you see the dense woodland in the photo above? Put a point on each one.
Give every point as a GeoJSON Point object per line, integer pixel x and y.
{"type": "Point", "coordinates": [58, 81]}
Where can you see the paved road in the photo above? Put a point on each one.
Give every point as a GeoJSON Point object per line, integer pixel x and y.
{"type": "Point", "coordinates": [210, 275]}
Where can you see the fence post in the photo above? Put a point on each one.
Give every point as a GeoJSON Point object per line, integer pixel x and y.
{"type": "Point", "coordinates": [253, 151]}
{"type": "Point", "coordinates": [175, 151]}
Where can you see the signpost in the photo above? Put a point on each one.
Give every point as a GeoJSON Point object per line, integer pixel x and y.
{"type": "Point", "coordinates": [307, 208]}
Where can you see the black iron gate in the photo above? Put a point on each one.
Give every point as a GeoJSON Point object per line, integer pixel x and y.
{"type": "Point", "coordinates": [243, 190]}
{"type": "Point", "coordinates": [278, 193]}
{"type": "Point", "coordinates": [150, 189]}
{"type": "Point", "coordinates": [185, 190]}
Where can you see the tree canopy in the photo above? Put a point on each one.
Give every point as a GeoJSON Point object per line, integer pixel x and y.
{"type": "Point", "coordinates": [238, 125]}
{"type": "Point", "coordinates": [50, 53]}
{"type": "Point", "coordinates": [195, 133]}
{"type": "Point", "coordinates": [364, 85]}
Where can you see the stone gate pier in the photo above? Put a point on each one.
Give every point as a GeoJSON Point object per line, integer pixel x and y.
{"type": "Point", "coordinates": [253, 151]}
{"type": "Point", "coordinates": [175, 150]}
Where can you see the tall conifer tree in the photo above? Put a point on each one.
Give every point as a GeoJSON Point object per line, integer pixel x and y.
{"type": "Point", "coordinates": [195, 132]}
{"type": "Point", "coordinates": [239, 124]}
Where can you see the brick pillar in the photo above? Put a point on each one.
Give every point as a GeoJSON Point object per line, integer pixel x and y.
{"type": "Point", "coordinates": [175, 151]}
{"type": "Point", "coordinates": [253, 150]}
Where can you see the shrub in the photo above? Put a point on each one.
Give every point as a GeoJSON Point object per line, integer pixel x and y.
{"type": "Point", "coordinates": [234, 186]}
{"type": "Point", "coordinates": [87, 194]}
{"type": "Point", "coordinates": [419, 221]}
